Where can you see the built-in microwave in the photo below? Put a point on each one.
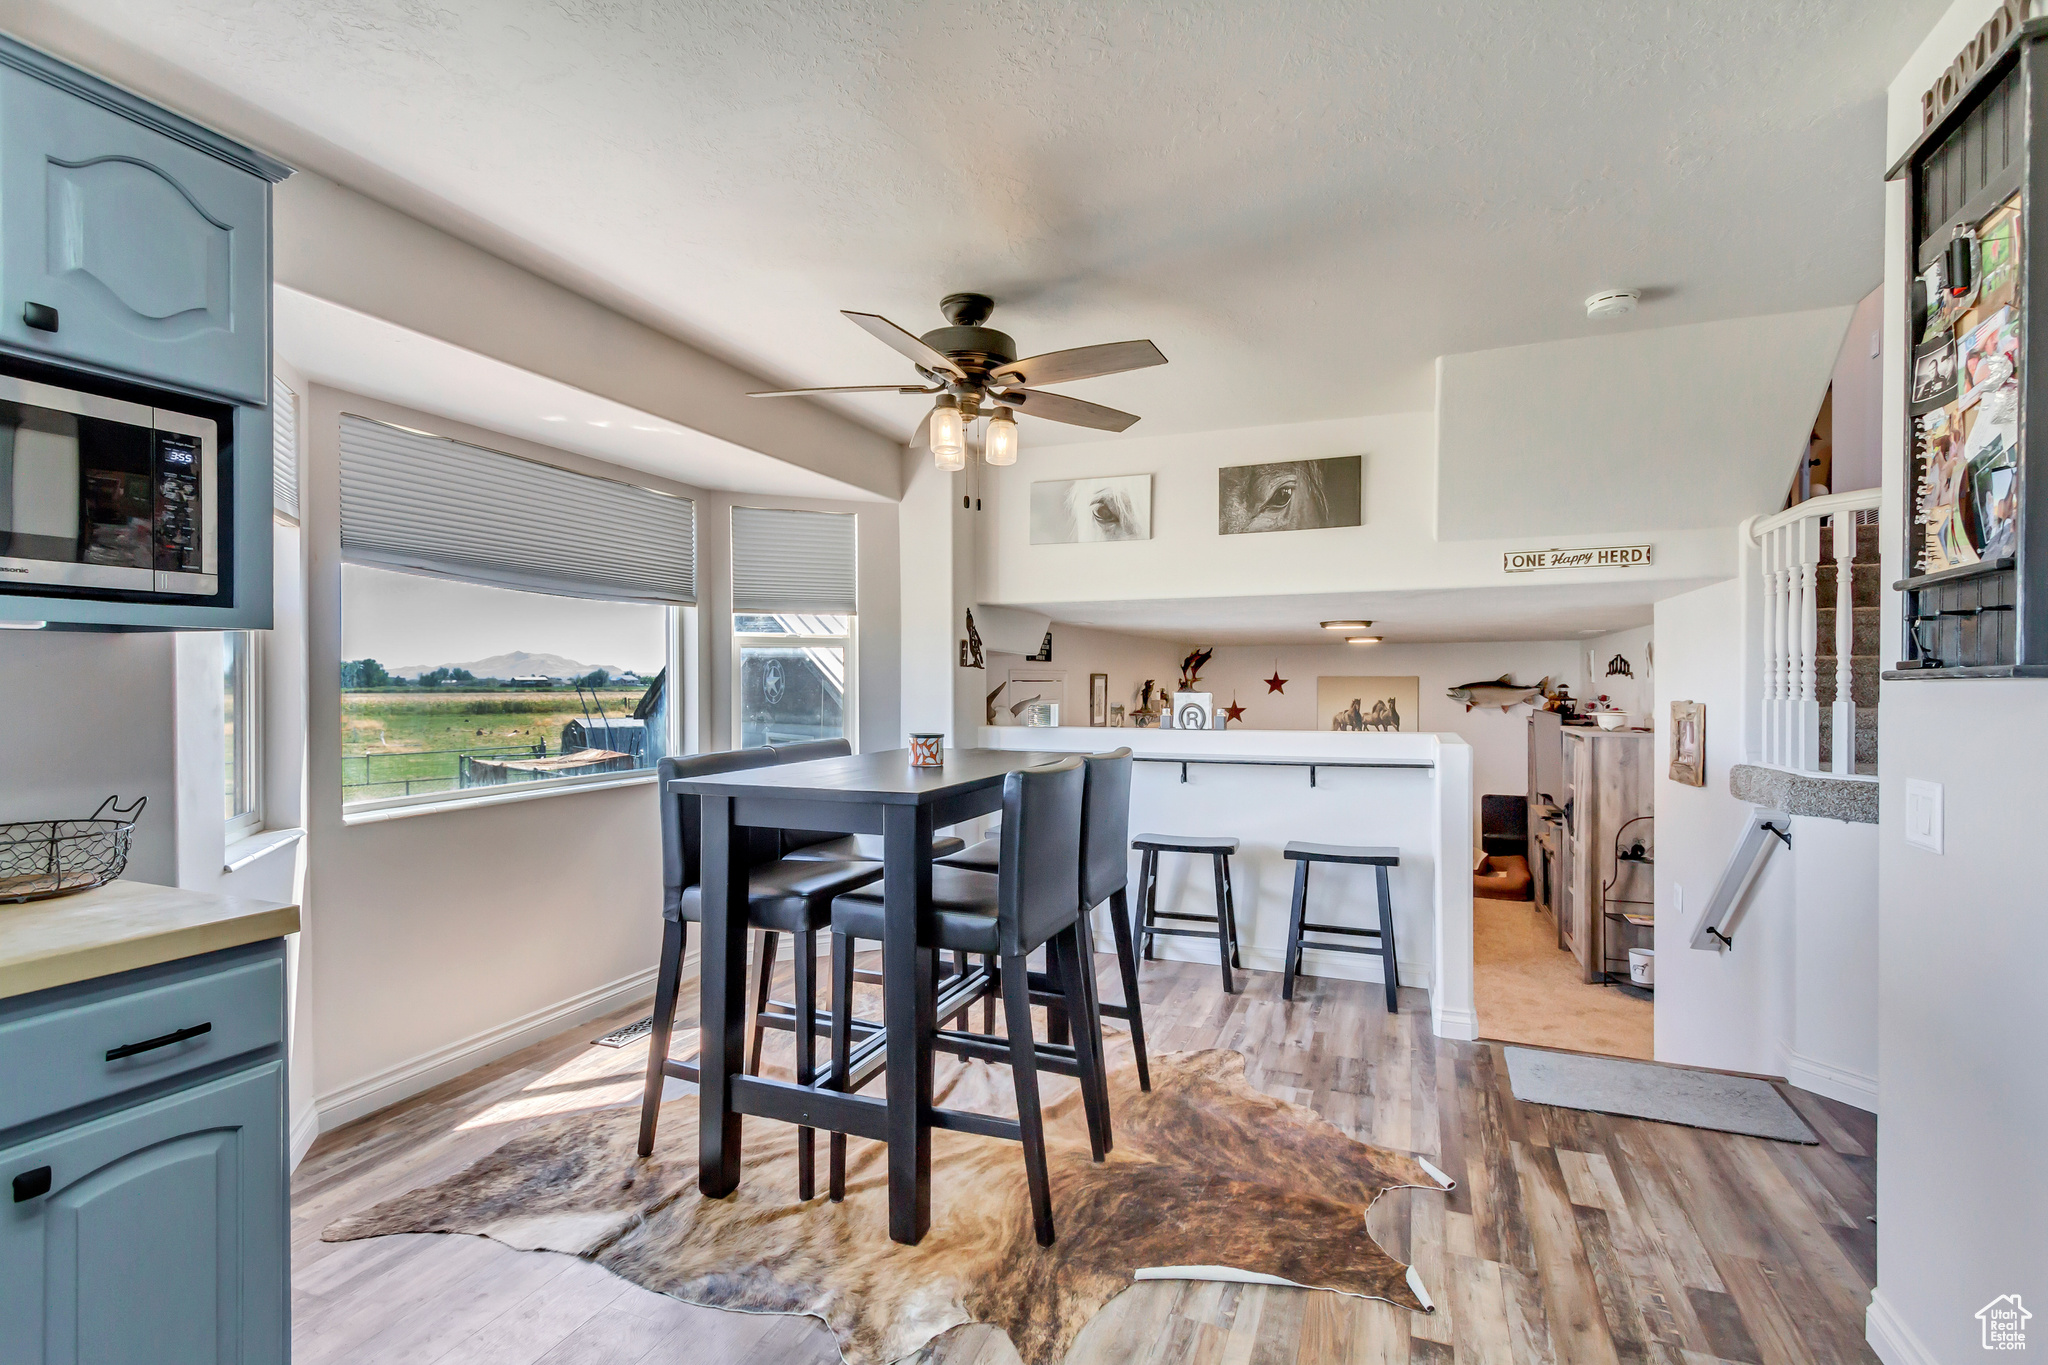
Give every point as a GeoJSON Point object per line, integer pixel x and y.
{"type": "Point", "coordinates": [104, 494]}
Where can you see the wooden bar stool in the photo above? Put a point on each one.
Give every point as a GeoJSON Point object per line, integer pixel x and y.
{"type": "Point", "coordinates": [1379, 859]}
{"type": "Point", "coordinates": [1225, 919]}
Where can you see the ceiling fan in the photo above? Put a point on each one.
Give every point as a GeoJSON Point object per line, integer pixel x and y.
{"type": "Point", "coordinates": [968, 365]}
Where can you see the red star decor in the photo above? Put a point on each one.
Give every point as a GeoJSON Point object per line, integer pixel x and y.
{"type": "Point", "coordinates": [1276, 683]}
{"type": "Point", "coordinates": [1233, 712]}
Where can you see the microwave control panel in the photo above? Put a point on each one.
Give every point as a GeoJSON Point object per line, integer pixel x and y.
{"type": "Point", "coordinates": [178, 542]}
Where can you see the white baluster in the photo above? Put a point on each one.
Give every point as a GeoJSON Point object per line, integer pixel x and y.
{"type": "Point", "coordinates": [1783, 536]}
{"type": "Point", "coordinates": [1807, 684]}
{"type": "Point", "coordinates": [1769, 549]}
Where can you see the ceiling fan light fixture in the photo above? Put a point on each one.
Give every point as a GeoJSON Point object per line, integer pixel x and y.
{"type": "Point", "coordinates": [948, 434]}
{"type": "Point", "coordinates": [999, 444]}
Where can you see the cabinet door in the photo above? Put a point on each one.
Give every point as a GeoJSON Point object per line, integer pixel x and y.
{"type": "Point", "coordinates": [161, 1239]}
{"type": "Point", "coordinates": [155, 255]}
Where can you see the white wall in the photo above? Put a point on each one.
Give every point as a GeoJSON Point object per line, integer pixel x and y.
{"type": "Point", "coordinates": [1186, 557]}
{"type": "Point", "coordinates": [1859, 399]}
{"type": "Point", "coordinates": [1078, 651]}
{"type": "Point", "coordinates": [1961, 1194]}
{"type": "Point", "coordinates": [1834, 1043]}
{"type": "Point", "coordinates": [1731, 1010]}
{"type": "Point", "coordinates": [1596, 434]}
{"type": "Point", "coordinates": [1633, 692]}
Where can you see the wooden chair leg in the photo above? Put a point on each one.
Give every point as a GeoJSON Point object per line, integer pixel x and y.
{"type": "Point", "coordinates": [1024, 1073]}
{"type": "Point", "coordinates": [1390, 967]}
{"type": "Point", "coordinates": [1127, 967]}
{"type": "Point", "coordinates": [675, 937]}
{"type": "Point", "coordinates": [1225, 949]}
{"type": "Point", "coordinates": [1230, 906]}
{"type": "Point", "coordinates": [805, 997]}
{"type": "Point", "coordinates": [769, 938]}
{"type": "Point", "coordinates": [960, 968]}
{"type": "Point", "coordinates": [988, 1001]}
{"type": "Point", "coordinates": [1148, 898]}
{"type": "Point", "coordinates": [842, 1048]}
{"type": "Point", "coordinates": [1087, 1039]}
{"type": "Point", "coordinates": [1294, 918]}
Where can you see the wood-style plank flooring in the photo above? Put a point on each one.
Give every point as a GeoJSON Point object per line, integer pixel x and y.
{"type": "Point", "coordinates": [1571, 1239]}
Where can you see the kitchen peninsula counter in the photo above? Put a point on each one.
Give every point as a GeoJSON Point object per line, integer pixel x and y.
{"type": "Point", "coordinates": [1267, 788]}
{"type": "Point", "coordinates": [124, 925]}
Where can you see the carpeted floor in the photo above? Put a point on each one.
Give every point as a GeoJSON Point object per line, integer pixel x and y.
{"type": "Point", "coordinates": [1528, 990]}
{"type": "Point", "coordinates": [1206, 1172]}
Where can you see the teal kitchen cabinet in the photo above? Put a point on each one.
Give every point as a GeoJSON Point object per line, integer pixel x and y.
{"type": "Point", "coordinates": [143, 1182]}
{"type": "Point", "coordinates": [131, 241]}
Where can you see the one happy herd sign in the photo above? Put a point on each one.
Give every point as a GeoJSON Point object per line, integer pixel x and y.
{"type": "Point", "coordinates": [1606, 557]}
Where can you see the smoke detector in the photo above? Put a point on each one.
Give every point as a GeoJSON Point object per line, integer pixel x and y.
{"type": "Point", "coordinates": [1611, 303]}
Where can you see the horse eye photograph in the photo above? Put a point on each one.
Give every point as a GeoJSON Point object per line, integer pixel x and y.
{"type": "Point", "coordinates": [1077, 511]}
{"type": "Point", "coordinates": [707, 682]}
{"type": "Point", "coordinates": [1290, 495]}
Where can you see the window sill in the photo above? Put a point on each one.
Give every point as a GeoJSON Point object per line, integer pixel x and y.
{"type": "Point", "coordinates": [645, 777]}
{"type": "Point", "coordinates": [244, 851]}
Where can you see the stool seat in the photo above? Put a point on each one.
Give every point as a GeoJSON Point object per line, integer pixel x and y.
{"type": "Point", "coordinates": [792, 896]}
{"type": "Point", "coordinates": [962, 917]}
{"type": "Point", "coordinates": [1185, 843]}
{"type": "Point", "coordinates": [1344, 853]}
{"type": "Point", "coordinates": [985, 856]}
{"type": "Point", "coordinates": [868, 846]}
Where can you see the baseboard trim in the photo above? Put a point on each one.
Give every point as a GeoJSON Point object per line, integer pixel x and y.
{"type": "Point", "coordinates": [1343, 966]}
{"type": "Point", "coordinates": [1848, 1087]}
{"type": "Point", "coordinates": [1460, 1026]}
{"type": "Point", "coordinates": [1888, 1335]}
{"type": "Point", "coordinates": [303, 1134]}
{"type": "Point", "coordinates": [429, 1069]}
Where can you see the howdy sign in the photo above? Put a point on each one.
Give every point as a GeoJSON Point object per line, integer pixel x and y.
{"type": "Point", "coordinates": [1609, 557]}
{"type": "Point", "coordinates": [1974, 57]}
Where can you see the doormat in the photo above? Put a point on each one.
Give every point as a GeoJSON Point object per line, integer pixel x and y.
{"type": "Point", "coordinates": [1667, 1094]}
{"type": "Point", "coordinates": [1209, 1179]}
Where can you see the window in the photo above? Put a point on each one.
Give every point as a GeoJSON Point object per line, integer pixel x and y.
{"type": "Point", "coordinates": [505, 622]}
{"type": "Point", "coordinates": [450, 687]}
{"type": "Point", "coordinates": [792, 677]}
{"type": "Point", "coordinates": [792, 625]}
{"type": "Point", "coordinates": [242, 730]}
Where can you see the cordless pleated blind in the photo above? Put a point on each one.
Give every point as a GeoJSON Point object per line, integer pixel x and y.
{"type": "Point", "coordinates": [432, 505]}
{"type": "Point", "coordinates": [799, 562]}
{"type": "Point", "coordinates": [284, 449]}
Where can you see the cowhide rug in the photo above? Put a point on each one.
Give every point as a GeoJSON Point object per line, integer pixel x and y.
{"type": "Point", "coordinates": [1208, 1175]}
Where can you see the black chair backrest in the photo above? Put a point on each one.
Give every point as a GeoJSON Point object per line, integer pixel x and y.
{"type": "Point", "coordinates": [682, 821]}
{"type": "Point", "coordinates": [1503, 824]}
{"type": "Point", "coordinates": [794, 839]}
{"type": "Point", "coordinates": [1041, 849]}
{"type": "Point", "coordinates": [1105, 826]}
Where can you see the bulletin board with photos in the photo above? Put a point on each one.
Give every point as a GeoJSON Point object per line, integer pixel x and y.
{"type": "Point", "coordinates": [1974, 603]}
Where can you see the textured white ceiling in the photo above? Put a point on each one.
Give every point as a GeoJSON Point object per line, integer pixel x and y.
{"type": "Point", "coordinates": [1303, 204]}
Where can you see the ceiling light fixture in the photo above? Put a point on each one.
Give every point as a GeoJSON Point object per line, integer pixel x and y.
{"type": "Point", "coordinates": [999, 443]}
{"type": "Point", "coordinates": [1361, 639]}
{"type": "Point", "coordinates": [948, 436]}
{"type": "Point", "coordinates": [1611, 303]}
{"type": "Point", "coordinates": [1346, 625]}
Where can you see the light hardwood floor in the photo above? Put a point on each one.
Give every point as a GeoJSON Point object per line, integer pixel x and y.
{"type": "Point", "coordinates": [1572, 1238]}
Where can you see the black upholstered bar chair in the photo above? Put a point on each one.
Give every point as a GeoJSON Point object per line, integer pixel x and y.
{"type": "Point", "coordinates": [1029, 904]}
{"type": "Point", "coordinates": [1105, 872]}
{"type": "Point", "coordinates": [784, 896]}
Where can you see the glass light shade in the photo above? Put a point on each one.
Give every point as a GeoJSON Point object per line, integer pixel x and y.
{"type": "Point", "coordinates": [948, 435]}
{"type": "Point", "coordinates": [999, 447]}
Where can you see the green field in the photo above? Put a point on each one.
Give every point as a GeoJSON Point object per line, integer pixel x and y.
{"type": "Point", "coordinates": [403, 742]}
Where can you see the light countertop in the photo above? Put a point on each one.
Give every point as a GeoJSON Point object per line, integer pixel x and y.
{"type": "Point", "coordinates": [1323, 746]}
{"type": "Point", "coordinates": [124, 925]}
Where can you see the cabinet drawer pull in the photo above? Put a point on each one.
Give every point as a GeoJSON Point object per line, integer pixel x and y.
{"type": "Point", "coordinates": [40, 316]}
{"type": "Point", "coordinates": [32, 1184]}
{"type": "Point", "coordinates": [115, 1054]}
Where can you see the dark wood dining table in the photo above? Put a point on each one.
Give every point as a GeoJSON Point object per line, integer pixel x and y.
{"type": "Point", "coordinates": [873, 793]}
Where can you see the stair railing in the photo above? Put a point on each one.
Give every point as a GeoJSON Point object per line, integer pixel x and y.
{"type": "Point", "coordinates": [1789, 543]}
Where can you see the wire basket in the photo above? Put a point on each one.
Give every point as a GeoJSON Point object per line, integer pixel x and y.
{"type": "Point", "coordinates": [43, 858]}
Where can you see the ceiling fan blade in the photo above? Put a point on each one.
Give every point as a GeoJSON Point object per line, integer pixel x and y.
{"type": "Point", "coordinates": [1060, 408]}
{"type": "Point", "coordinates": [1083, 362]}
{"type": "Point", "coordinates": [903, 343]}
{"type": "Point", "coordinates": [844, 388]}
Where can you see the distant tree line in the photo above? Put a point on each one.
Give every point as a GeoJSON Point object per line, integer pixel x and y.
{"type": "Point", "coordinates": [363, 674]}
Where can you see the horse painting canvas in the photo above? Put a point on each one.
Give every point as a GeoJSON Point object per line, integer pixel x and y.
{"type": "Point", "coordinates": [1290, 495]}
{"type": "Point", "coordinates": [1079, 511]}
{"type": "Point", "coordinates": [1384, 705]}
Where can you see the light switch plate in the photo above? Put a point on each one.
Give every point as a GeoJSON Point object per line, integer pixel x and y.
{"type": "Point", "coordinates": [1923, 814]}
